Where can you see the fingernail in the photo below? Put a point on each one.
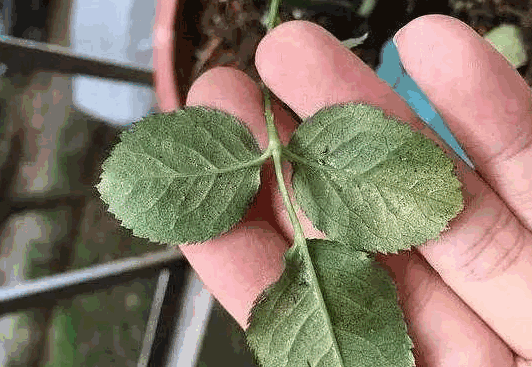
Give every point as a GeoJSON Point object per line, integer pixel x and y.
{"type": "Point", "coordinates": [397, 35]}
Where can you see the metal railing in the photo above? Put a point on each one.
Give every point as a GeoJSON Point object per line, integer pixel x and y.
{"type": "Point", "coordinates": [166, 341]}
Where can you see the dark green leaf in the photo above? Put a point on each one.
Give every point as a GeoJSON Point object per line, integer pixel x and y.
{"type": "Point", "coordinates": [367, 179]}
{"type": "Point", "coordinates": [359, 322]}
{"type": "Point", "coordinates": [182, 177]}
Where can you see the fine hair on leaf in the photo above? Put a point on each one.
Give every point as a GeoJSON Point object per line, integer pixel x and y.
{"type": "Point", "coordinates": [358, 323]}
{"type": "Point", "coordinates": [367, 179]}
{"type": "Point", "coordinates": [182, 177]}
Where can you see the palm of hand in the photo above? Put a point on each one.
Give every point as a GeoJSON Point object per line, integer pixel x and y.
{"type": "Point", "coordinates": [466, 296]}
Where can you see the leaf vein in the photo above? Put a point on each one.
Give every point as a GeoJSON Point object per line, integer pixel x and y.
{"type": "Point", "coordinates": [349, 209]}
{"type": "Point", "coordinates": [339, 328]}
{"type": "Point", "coordinates": [287, 317]}
{"type": "Point", "coordinates": [235, 191]}
{"type": "Point", "coordinates": [347, 298]}
{"type": "Point", "coordinates": [296, 333]}
{"type": "Point", "coordinates": [204, 195]}
{"type": "Point", "coordinates": [320, 131]}
{"type": "Point", "coordinates": [386, 204]}
{"type": "Point", "coordinates": [273, 307]}
{"type": "Point", "coordinates": [254, 162]}
{"type": "Point", "coordinates": [184, 146]}
{"type": "Point", "coordinates": [218, 142]}
{"type": "Point", "coordinates": [324, 354]}
{"type": "Point", "coordinates": [361, 220]}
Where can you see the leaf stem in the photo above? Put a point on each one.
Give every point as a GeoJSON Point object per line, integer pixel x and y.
{"type": "Point", "coordinates": [276, 149]}
{"type": "Point", "coordinates": [300, 242]}
{"type": "Point", "coordinates": [273, 14]}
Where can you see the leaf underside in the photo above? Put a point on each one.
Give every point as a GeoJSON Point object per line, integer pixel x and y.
{"type": "Point", "coordinates": [182, 177]}
{"type": "Point", "coordinates": [369, 180]}
{"type": "Point", "coordinates": [360, 324]}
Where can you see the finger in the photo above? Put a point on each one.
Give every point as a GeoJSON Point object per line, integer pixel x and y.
{"type": "Point", "coordinates": [163, 61]}
{"type": "Point", "coordinates": [318, 84]}
{"type": "Point", "coordinates": [317, 71]}
{"type": "Point", "coordinates": [482, 97]}
{"type": "Point", "coordinates": [234, 92]}
{"type": "Point", "coordinates": [310, 69]}
{"type": "Point", "coordinates": [238, 265]}
{"type": "Point", "coordinates": [442, 326]}
{"type": "Point", "coordinates": [486, 257]}
{"type": "Point", "coordinates": [286, 126]}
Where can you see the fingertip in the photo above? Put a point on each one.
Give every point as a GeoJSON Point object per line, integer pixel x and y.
{"type": "Point", "coordinates": [237, 266]}
{"type": "Point", "coordinates": [477, 92]}
{"type": "Point", "coordinates": [425, 25]}
{"type": "Point", "coordinates": [297, 33]}
{"type": "Point", "coordinates": [163, 43]}
{"type": "Point", "coordinates": [299, 61]}
{"type": "Point", "coordinates": [420, 41]}
{"type": "Point", "coordinates": [309, 69]}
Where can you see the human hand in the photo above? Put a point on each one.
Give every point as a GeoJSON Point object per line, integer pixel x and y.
{"type": "Point", "coordinates": [466, 297]}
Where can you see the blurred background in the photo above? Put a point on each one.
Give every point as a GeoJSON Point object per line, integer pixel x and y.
{"type": "Point", "coordinates": [78, 289]}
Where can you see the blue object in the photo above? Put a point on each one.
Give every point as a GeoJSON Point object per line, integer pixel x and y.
{"type": "Point", "coordinates": [391, 70]}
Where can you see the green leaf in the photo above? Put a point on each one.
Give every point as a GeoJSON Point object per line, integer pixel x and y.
{"type": "Point", "coordinates": [62, 339]}
{"type": "Point", "coordinates": [182, 177]}
{"type": "Point", "coordinates": [367, 179]}
{"type": "Point", "coordinates": [349, 317]}
{"type": "Point", "coordinates": [508, 40]}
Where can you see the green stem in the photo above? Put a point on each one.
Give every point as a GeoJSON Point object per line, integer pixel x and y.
{"type": "Point", "coordinates": [300, 243]}
{"type": "Point", "coordinates": [273, 14]}
{"type": "Point", "coordinates": [276, 149]}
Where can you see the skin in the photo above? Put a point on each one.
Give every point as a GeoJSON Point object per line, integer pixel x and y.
{"type": "Point", "coordinates": [466, 297]}
{"type": "Point", "coordinates": [163, 54]}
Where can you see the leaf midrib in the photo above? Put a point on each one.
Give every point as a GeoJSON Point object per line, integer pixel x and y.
{"type": "Point", "coordinates": [317, 292]}
{"type": "Point", "coordinates": [255, 162]}
{"type": "Point", "coordinates": [361, 220]}
{"type": "Point", "coordinates": [298, 159]}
